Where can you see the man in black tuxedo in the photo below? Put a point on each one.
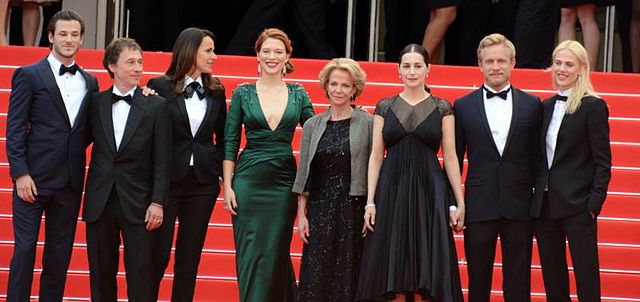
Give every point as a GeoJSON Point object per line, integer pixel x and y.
{"type": "Point", "coordinates": [128, 179]}
{"type": "Point", "coordinates": [498, 127]}
{"type": "Point", "coordinates": [46, 144]}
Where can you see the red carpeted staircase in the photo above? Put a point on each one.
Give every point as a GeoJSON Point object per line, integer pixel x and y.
{"type": "Point", "coordinates": [619, 224]}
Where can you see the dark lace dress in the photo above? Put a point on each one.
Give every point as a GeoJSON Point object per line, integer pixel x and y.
{"type": "Point", "coordinates": [412, 248]}
{"type": "Point", "coordinates": [331, 259]}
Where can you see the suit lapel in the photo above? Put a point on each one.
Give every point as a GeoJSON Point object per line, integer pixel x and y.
{"type": "Point", "coordinates": [106, 118]}
{"type": "Point", "coordinates": [136, 112]}
{"type": "Point", "coordinates": [514, 118]}
{"type": "Point", "coordinates": [85, 101]}
{"type": "Point", "coordinates": [52, 87]}
{"type": "Point", "coordinates": [564, 124]}
{"type": "Point", "coordinates": [479, 99]}
{"type": "Point", "coordinates": [547, 114]}
{"type": "Point", "coordinates": [182, 107]}
{"type": "Point", "coordinates": [207, 114]}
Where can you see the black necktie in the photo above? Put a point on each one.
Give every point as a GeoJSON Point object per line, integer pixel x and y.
{"type": "Point", "coordinates": [501, 94]}
{"type": "Point", "coordinates": [558, 97]}
{"type": "Point", "coordinates": [71, 69]}
{"type": "Point", "coordinates": [115, 98]}
{"type": "Point", "coordinates": [194, 87]}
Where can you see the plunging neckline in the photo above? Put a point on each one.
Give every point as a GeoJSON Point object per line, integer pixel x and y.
{"type": "Point", "coordinates": [264, 116]}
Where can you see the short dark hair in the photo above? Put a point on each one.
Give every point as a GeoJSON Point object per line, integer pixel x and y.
{"type": "Point", "coordinates": [113, 50]}
{"type": "Point", "coordinates": [66, 15]}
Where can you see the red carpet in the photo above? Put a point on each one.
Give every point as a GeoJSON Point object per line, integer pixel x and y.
{"type": "Point", "coordinates": [619, 225]}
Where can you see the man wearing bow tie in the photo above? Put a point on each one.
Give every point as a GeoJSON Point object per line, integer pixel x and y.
{"type": "Point", "coordinates": [46, 144]}
{"type": "Point", "coordinates": [498, 126]}
{"type": "Point", "coordinates": [128, 181]}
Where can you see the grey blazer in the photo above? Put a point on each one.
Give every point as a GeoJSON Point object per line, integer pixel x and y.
{"type": "Point", "coordinates": [360, 143]}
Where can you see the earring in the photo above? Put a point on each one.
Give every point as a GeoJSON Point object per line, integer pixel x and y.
{"type": "Point", "coordinates": [259, 70]}
{"type": "Point", "coordinates": [327, 94]}
{"type": "Point", "coordinates": [284, 68]}
{"type": "Point", "coordinates": [352, 98]}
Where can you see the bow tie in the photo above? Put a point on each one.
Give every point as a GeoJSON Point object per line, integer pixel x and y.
{"type": "Point", "coordinates": [194, 87]}
{"type": "Point", "coordinates": [71, 69]}
{"type": "Point", "coordinates": [115, 98]}
{"type": "Point", "coordinates": [501, 94]}
{"type": "Point", "coordinates": [558, 97]}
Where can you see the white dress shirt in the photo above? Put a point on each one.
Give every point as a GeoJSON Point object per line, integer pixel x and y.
{"type": "Point", "coordinates": [73, 88]}
{"type": "Point", "coordinates": [554, 126]}
{"type": "Point", "coordinates": [120, 113]}
{"type": "Point", "coordinates": [196, 108]}
{"type": "Point", "coordinates": [499, 116]}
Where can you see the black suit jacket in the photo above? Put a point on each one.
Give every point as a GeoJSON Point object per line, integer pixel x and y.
{"type": "Point", "coordinates": [581, 170]}
{"type": "Point", "coordinates": [139, 170]}
{"type": "Point", "coordinates": [40, 140]}
{"type": "Point", "coordinates": [498, 186]}
{"type": "Point", "coordinates": [207, 156]}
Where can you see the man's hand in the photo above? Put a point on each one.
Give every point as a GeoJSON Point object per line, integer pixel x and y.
{"type": "Point", "coordinates": [26, 188]}
{"type": "Point", "coordinates": [146, 91]}
{"type": "Point", "coordinates": [153, 217]}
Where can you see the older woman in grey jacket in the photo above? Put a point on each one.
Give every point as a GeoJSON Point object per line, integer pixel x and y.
{"type": "Point", "coordinates": [332, 187]}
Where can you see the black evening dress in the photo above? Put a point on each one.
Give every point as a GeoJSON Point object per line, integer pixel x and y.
{"type": "Point", "coordinates": [331, 260]}
{"type": "Point", "coordinates": [411, 249]}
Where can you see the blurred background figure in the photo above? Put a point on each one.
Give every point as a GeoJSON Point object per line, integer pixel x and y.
{"type": "Point", "coordinates": [583, 11]}
{"type": "Point", "coordinates": [3, 19]}
{"type": "Point", "coordinates": [441, 15]}
{"type": "Point", "coordinates": [31, 17]}
{"type": "Point", "coordinates": [309, 15]}
{"type": "Point", "coordinates": [534, 32]}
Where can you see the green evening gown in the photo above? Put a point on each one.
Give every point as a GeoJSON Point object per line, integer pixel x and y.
{"type": "Point", "coordinates": [262, 182]}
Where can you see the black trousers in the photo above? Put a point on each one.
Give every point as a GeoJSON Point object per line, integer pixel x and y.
{"type": "Point", "coordinates": [61, 216]}
{"type": "Point", "coordinates": [480, 240]}
{"type": "Point", "coordinates": [103, 248]}
{"type": "Point", "coordinates": [581, 231]}
{"type": "Point", "coordinates": [193, 213]}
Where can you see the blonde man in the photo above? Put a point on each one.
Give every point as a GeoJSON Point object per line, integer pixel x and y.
{"type": "Point", "coordinates": [497, 126]}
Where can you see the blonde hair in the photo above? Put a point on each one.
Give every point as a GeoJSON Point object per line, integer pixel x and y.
{"type": "Point", "coordinates": [583, 85]}
{"type": "Point", "coordinates": [358, 76]}
{"type": "Point", "coordinates": [495, 39]}
{"type": "Point", "coordinates": [278, 34]}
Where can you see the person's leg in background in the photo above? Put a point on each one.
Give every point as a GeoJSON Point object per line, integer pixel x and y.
{"type": "Point", "coordinates": [439, 21]}
{"type": "Point", "coordinates": [30, 22]}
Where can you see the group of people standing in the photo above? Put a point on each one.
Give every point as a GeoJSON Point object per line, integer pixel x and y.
{"type": "Point", "coordinates": [375, 208]}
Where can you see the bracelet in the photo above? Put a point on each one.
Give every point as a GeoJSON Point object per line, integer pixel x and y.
{"type": "Point", "coordinates": [370, 205]}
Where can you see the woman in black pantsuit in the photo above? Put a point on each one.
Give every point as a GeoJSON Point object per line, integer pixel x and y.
{"type": "Point", "coordinates": [573, 177]}
{"type": "Point", "coordinates": [197, 107]}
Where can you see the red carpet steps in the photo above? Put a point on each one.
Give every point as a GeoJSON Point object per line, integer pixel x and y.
{"type": "Point", "coordinates": [619, 227]}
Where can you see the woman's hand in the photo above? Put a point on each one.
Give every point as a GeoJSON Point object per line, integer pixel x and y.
{"type": "Point", "coordinates": [369, 219]}
{"type": "Point", "coordinates": [456, 219]}
{"type": "Point", "coordinates": [230, 204]}
{"type": "Point", "coordinates": [303, 227]}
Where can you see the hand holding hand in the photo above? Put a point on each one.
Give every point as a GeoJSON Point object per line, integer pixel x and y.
{"type": "Point", "coordinates": [154, 216]}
